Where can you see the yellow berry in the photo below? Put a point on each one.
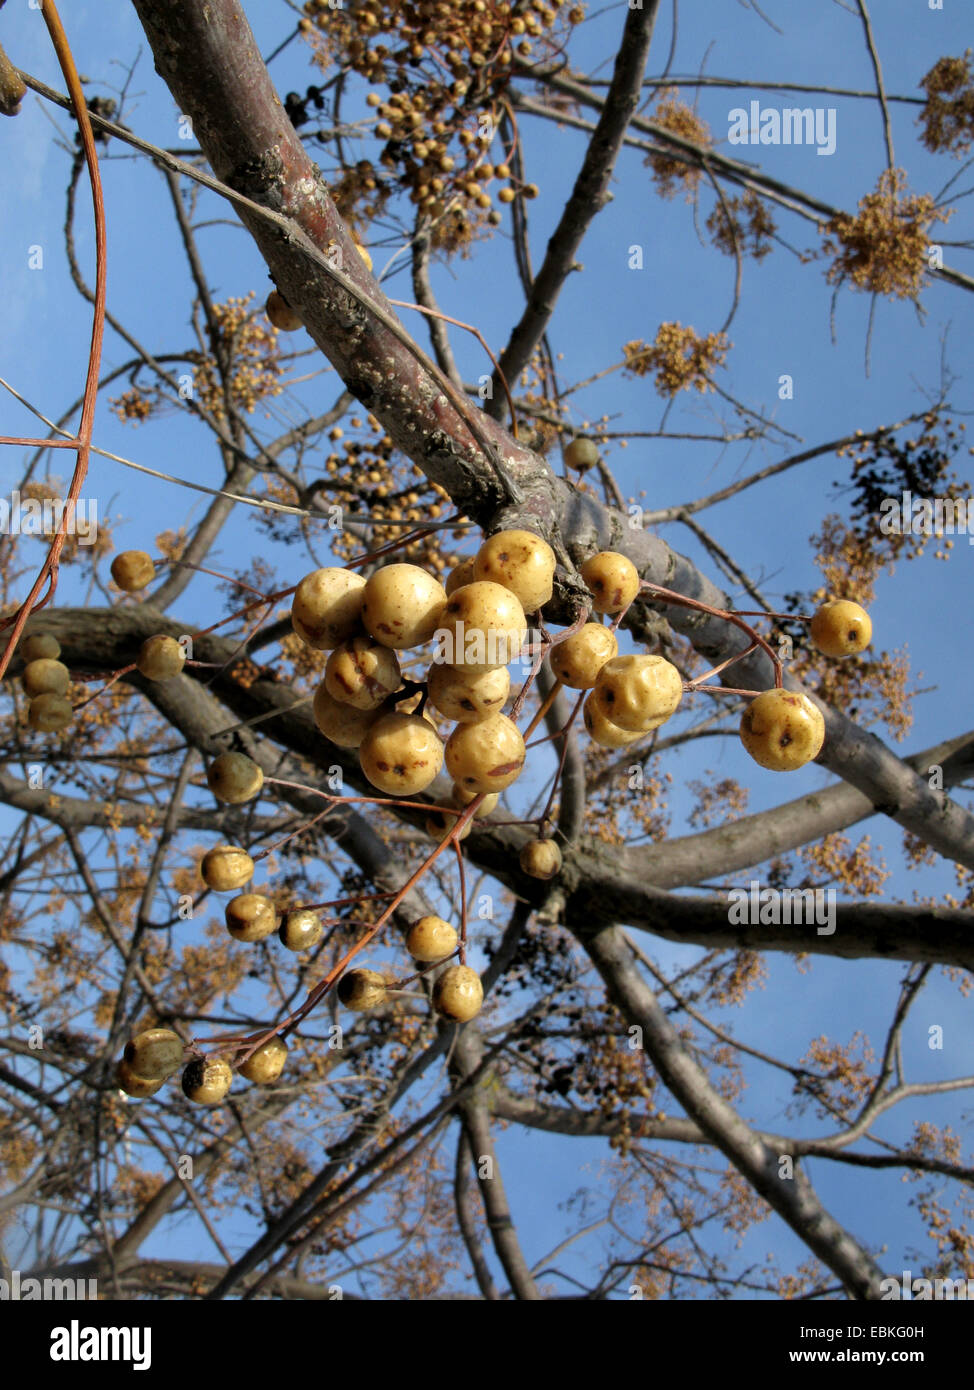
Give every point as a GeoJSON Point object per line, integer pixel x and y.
{"type": "Point", "coordinates": [160, 658]}
{"type": "Point", "coordinates": [431, 938]}
{"type": "Point", "coordinates": [363, 989]}
{"type": "Point", "coordinates": [280, 313]}
{"type": "Point", "coordinates": [266, 1064]}
{"type": "Point", "coordinates": [402, 606]}
{"type": "Point", "coordinates": [301, 929]}
{"type": "Point", "coordinates": [133, 1085]}
{"type": "Point", "coordinates": [638, 693]}
{"type": "Point", "coordinates": [206, 1080]}
{"type": "Point", "coordinates": [841, 628]}
{"type": "Point", "coordinates": [782, 730]}
{"type": "Point", "coordinates": [250, 917]}
{"type": "Point", "coordinates": [401, 754]}
{"type": "Point", "coordinates": [133, 570]}
{"type": "Point", "coordinates": [540, 858]}
{"type": "Point", "coordinates": [467, 696]}
{"type": "Point", "coordinates": [45, 677]}
{"type": "Point", "coordinates": [327, 606]}
{"type": "Point", "coordinates": [234, 778]}
{"type": "Point", "coordinates": [154, 1054]}
{"type": "Point", "coordinates": [521, 562]}
{"type": "Point", "coordinates": [363, 673]}
{"type": "Point", "coordinates": [487, 756]}
{"type": "Point", "coordinates": [458, 993]}
{"type": "Point", "coordinates": [41, 646]}
{"type": "Point", "coordinates": [601, 730]}
{"type": "Point", "coordinates": [612, 580]}
{"type": "Point", "coordinates": [578, 660]}
{"type": "Point", "coordinates": [225, 868]}
{"type": "Point", "coordinates": [49, 714]}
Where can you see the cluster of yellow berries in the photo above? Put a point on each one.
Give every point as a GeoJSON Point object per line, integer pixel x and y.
{"type": "Point", "coordinates": [479, 619]}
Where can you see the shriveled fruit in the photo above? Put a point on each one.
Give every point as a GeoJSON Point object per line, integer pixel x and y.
{"type": "Point", "coordinates": [483, 626]}
{"type": "Point", "coordinates": [362, 672]}
{"type": "Point", "coordinates": [343, 724]}
{"type": "Point", "coordinates": [611, 579]}
{"type": "Point", "coordinates": [578, 660]}
{"type": "Point", "coordinates": [638, 693]}
{"type": "Point", "coordinates": [226, 867]}
{"type": "Point", "coordinates": [154, 1054]}
{"type": "Point", "coordinates": [206, 1080]}
{"type": "Point", "coordinates": [301, 929]}
{"type": "Point", "coordinates": [581, 453]}
{"type": "Point", "coordinates": [467, 696]}
{"type": "Point", "coordinates": [133, 570]}
{"type": "Point", "coordinates": [540, 858]}
{"type": "Point", "coordinates": [363, 989]}
{"type": "Point", "coordinates": [402, 606]}
{"type": "Point", "coordinates": [266, 1064]}
{"type": "Point", "coordinates": [327, 606]}
{"type": "Point", "coordinates": [401, 754]}
{"type": "Point", "coordinates": [521, 562]}
{"type": "Point", "coordinates": [160, 658]}
{"type": "Point", "coordinates": [41, 646]}
{"type": "Point", "coordinates": [458, 993]}
{"type": "Point", "coordinates": [462, 796]}
{"type": "Point", "coordinates": [841, 628]}
{"type": "Point", "coordinates": [431, 938]}
{"type": "Point", "coordinates": [782, 730]}
{"type": "Point", "coordinates": [250, 917]}
{"type": "Point", "coordinates": [133, 1085]}
{"type": "Point", "coordinates": [49, 714]}
{"type": "Point", "coordinates": [234, 778]}
{"type": "Point", "coordinates": [280, 313]}
{"type": "Point", "coordinates": [45, 677]}
{"type": "Point", "coordinates": [601, 730]}
{"type": "Point", "coordinates": [485, 757]}
{"type": "Point", "coordinates": [461, 574]}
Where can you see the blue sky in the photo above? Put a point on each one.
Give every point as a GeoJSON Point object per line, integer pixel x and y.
{"type": "Point", "coordinates": [783, 326]}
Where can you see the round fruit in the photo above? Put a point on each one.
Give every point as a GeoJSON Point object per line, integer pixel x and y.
{"type": "Point", "coordinates": [41, 646]}
{"type": "Point", "coordinates": [841, 628]}
{"type": "Point", "coordinates": [467, 696]}
{"type": "Point", "coordinates": [638, 693]}
{"type": "Point", "coordinates": [154, 1054]}
{"type": "Point", "coordinates": [250, 917]}
{"type": "Point", "coordinates": [401, 754]}
{"type": "Point", "coordinates": [431, 939]}
{"type": "Point", "coordinates": [458, 993]}
{"type": "Point", "coordinates": [521, 562]}
{"type": "Point", "coordinates": [234, 778]}
{"type": "Point", "coordinates": [540, 858]}
{"type": "Point", "coordinates": [439, 823]}
{"type": "Point", "coordinates": [612, 580]}
{"type": "Point", "coordinates": [461, 574]}
{"type": "Point", "coordinates": [266, 1064]}
{"type": "Point", "coordinates": [578, 660]}
{"type": "Point", "coordinates": [486, 757]}
{"type": "Point", "coordinates": [362, 673]}
{"type": "Point", "coordinates": [49, 713]}
{"type": "Point", "coordinates": [45, 677]}
{"type": "Point", "coordinates": [301, 930]}
{"type": "Point", "coordinates": [133, 570]}
{"type": "Point", "coordinates": [483, 626]}
{"type": "Point", "coordinates": [280, 313]}
{"type": "Point", "coordinates": [782, 730]}
{"type": "Point", "coordinates": [402, 606]}
{"type": "Point", "coordinates": [206, 1080]}
{"type": "Point", "coordinates": [581, 453]}
{"type": "Point", "coordinates": [363, 989]}
{"type": "Point", "coordinates": [225, 868]}
{"type": "Point", "coordinates": [327, 606]}
{"type": "Point", "coordinates": [343, 724]}
{"type": "Point", "coordinates": [461, 797]}
{"type": "Point", "coordinates": [160, 658]}
{"type": "Point", "coordinates": [137, 1086]}
{"type": "Point", "coordinates": [601, 730]}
